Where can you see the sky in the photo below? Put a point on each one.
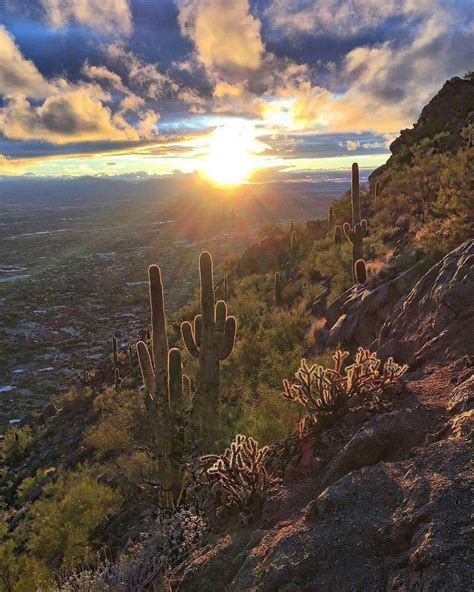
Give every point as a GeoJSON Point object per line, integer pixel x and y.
{"type": "Point", "coordinates": [224, 87]}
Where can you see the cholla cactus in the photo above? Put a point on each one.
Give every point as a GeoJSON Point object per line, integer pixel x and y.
{"type": "Point", "coordinates": [360, 271]}
{"type": "Point", "coordinates": [210, 338]}
{"type": "Point", "coordinates": [327, 391]}
{"type": "Point", "coordinates": [168, 395]}
{"type": "Point", "coordinates": [241, 473]}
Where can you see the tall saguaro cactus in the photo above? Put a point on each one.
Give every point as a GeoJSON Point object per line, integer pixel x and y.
{"type": "Point", "coordinates": [210, 337]}
{"type": "Point", "coordinates": [168, 395]}
{"type": "Point", "coordinates": [355, 194]}
{"type": "Point", "coordinates": [358, 230]}
{"type": "Point", "coordinates": [278, 289]}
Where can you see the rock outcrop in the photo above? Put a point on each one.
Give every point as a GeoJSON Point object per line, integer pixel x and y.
{"type": "Point", "coordinates": [448, 112]}
{"type": "Point", "coordinates": [436, 321]}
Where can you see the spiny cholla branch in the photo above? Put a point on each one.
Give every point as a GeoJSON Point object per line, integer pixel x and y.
{"type": "Point", "coordinates": [241, 473]}
{"type": "Point", "coordinates": [327, 391]}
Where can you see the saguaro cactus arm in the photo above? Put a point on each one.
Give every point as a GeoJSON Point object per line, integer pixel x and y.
{"type": "Point", "coordinates": [189, 340]}
{"type": "Point", "coordinates": [146, 367]}
{"type": "Point", "coordinates": [228, 338]}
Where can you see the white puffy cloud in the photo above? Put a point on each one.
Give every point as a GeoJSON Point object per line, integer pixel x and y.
{"type": "Point", "coordinates": [17, 74]}
{"type": "Point", "coordinates": [225, 34]}
{"type": "Point", "coordinates": [106, 16]}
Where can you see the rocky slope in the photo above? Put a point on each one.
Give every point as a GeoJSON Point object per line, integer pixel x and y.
{"type": "Point", "coordinates": [384, 502]}
{"type": "Point", "coordinates": [451, 110]}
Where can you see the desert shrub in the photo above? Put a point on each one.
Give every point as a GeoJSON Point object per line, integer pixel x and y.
{"type": "Point", "coordinates": [143, 566]}
{"type": "Point", "coordinates": [20, 572]}
{"type": "Point", "coordinates": [62, 523]}
{"type": "Point", "coordinates": [327, 392]}
{"type": "Point", "coordinates": [238, 476]}
{"type": "Point", "coordinates": [16, 444]}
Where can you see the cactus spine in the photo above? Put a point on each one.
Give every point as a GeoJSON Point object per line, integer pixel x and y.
{"type": "Point", "coordinates": [211, 337]}
{"type": "Point", "coordinates": [358, 230]}
{"type": "Point", "coordinates": [167, 391]}
{"type": "Point", "coordinates": [278, 289]}
{"type": "Point", "coordinates": [360, 271]}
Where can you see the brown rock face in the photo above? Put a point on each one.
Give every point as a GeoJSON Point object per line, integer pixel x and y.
{"type": "Point", "coordinates": [436, 321]}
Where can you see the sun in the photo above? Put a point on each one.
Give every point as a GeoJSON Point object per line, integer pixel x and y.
{"type": "Point", "coordinates": [231, 153]}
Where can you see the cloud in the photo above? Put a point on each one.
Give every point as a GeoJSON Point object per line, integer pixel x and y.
{"type": "Point", "coordinates": [343, 18]}
{"type": "Point", "coordinates": [76, 116]}
{"type": "Point", "coordinates": [385, 84]}
{"type": "Point", "coordinates": [103, 74]}
{"type": "Point", "coordinates": [144, 78]}
{"type": "Point", "coordinates": [106, 16]}
{"type": "Point", "coordinates": [225, 34]}
{"type": "Point", "coordinates": [17, 74]}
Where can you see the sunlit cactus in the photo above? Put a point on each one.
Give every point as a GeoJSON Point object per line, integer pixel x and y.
{"type": "Point", "coordinates": [358, 230]}
{"type": "Point", "coordinates": [278, 289]}
{"type": "Point", "coordinates": [355, 194]}
{"type": "Point", "coordinates": [360, 271]}
{"type": "Point", "coordinates": [293, 242]}
{"type": "Point", "coordinates": [210, 337]}
{"type": "Point", "coordinates": [167, 390]}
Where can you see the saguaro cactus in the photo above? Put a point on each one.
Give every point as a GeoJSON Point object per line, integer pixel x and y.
{"type": "Point", "coordinates": [358, 230]}
{"type": "Point", "coordinates": [355, 194]}
{"type": "Point", "coordinates": [293, 242]}
{"type": "Point", "coordinates": [211, 336]}
{"type": "Point", "coordinates": [360, 271]}
{"type": "Point", "coordinates": [278, 289]}
{"type": "Point", "coordinates": [338, 236]}
{"type": "Point", "coordinates": [377, 192]}
{"type": "Point", "coordinates": [331, 217]}
{"type": "Point", "coordinates": [168, 394]}
{"type": "Point", "coordinates": [115, 350]}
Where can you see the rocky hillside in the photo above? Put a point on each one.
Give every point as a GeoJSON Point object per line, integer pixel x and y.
{"type": "Point", "coordinates": [383, 501]}
{"type": "Point", "coordinates": [321, 463]}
